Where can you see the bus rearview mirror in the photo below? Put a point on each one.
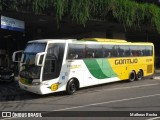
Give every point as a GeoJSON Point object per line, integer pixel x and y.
{"type": "Point", "coordinates": [17, 55]}
{"type": "Point", "coordinates": [39, 60]}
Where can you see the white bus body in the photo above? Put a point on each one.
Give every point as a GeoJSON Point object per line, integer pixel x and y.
{"type": "Point", "coordinates": [47, 66]}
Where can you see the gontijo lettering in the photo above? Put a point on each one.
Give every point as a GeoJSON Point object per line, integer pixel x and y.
{"type": "Point", "coordinates": [126, 61]}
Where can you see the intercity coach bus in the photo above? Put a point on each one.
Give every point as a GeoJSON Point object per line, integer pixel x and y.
{"type": "Point", "coordinates": [54, 65]}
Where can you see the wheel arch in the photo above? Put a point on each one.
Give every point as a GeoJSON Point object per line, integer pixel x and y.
{"type": "Point", "coordinates": [141, 71]}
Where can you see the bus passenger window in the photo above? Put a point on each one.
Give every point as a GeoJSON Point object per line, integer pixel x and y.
{"type": "Point", "coordinates": [94, 51]}
{"type": "Point", "coordinates": [131, 53]}
{"type": "Point", "coordinates": [141, 50]}
{"type": "Point", "coordinates": [121, 50]}
{"type": "Point", "coordinates": [148, 51]}
{"type": "Point", "coordinates": [134, 53]}
{"type": "Point", "coordinates": [140, 53]}
{"type": "Point", "coordinates": [76, 51]}
{"type": "Point", "coordinates": [118, 55]}
{"type": "Point", "coordinates": [89, 55]}
{"type": "Point", "coordinates": [109, 54]}
{"type": "Point", "coordinates": [73, 56]}
{"type": "Point", "coordinates": [126, 51]}
{"type": "Point", "coordinates": [108, 51]}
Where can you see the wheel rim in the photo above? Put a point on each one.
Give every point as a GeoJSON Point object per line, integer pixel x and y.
{"type": "Point", "coordinates": [139, 75]}
{"type": "Point", "coordinates": [73, 87]}
{"type": "Point", "coordinates": [132, 76]}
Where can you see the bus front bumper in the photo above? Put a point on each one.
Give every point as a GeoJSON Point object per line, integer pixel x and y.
{"type": "Point", "coordinates": [35, 89]}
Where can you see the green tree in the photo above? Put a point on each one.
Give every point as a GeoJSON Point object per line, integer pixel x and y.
{"type": "Point", "coordinates": [127, 12]}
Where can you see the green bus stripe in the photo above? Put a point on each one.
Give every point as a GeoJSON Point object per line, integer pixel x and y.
{"type": "Point", "coordinates": [95, 69]}
{"type": "Point", "coordinates": [106, 68]}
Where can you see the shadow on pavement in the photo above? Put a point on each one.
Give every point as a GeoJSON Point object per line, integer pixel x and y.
{"type": "Point", "coordinates": [12, 92]}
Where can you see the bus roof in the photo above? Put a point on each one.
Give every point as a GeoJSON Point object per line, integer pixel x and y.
{"type": "Point", "coordinates": [103, 40]}
{"type": "Point", "coordinates": [51, 40]}
{"type": "Point", "coordinates": [84, 39]}
{"type": "Point", "coordinates": [90, 40]}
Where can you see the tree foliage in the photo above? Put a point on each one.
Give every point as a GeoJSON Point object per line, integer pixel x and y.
{"type": "Point", "coordinates": [127, 12]}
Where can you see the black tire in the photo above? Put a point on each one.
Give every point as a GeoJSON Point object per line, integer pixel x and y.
{"type": "Point", "coordinates": [71, 87]}
{"type": "Point", "coordinates": [132, 76]}
{"type": "Point", "coordinates": [139, 75]}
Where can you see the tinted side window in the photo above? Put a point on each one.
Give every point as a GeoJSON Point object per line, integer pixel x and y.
{"type": "Point", "coordinates": [141, 50]}
{"type": "Point", "coordinates": [76, 51]}
{"type": "Point", "coordinates": [134, 50]}
{"type": "Point", "coordinates": [127, 51]}
{"type": "Point", "coordinates": [149, 51]}
{"type": "Point", "coordinates": [121, 50]}
{"type": "Point", "coordinates": [99, 51]}
{"type": "Point", "coordinates": [94, 51]}
{"type": "Point", "coordinates": [107, 50]}
{"type": "Point", "coordinates": [115, 52]}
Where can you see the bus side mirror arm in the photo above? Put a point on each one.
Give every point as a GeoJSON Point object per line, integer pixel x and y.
{"type": "Point", "coordinates": [15, 54]}
{"type": "Point", "coordinates": [39, 59]}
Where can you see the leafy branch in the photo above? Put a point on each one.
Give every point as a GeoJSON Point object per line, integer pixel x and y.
{"type": "Point", "coordinates": [127, 12]}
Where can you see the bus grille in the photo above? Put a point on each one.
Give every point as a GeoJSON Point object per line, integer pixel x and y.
{"type": "Point", "coordinates": [149, 68]}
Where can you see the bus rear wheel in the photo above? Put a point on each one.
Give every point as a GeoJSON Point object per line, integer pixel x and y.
{"type": "Point", "coordinates": [139, 75]}
{"type": "Point", "coordinates": [71, 87]}
{"type": "Point", "coordinates": [132, 76]}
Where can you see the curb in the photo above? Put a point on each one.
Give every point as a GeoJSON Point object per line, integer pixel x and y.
{"type": "Point", "coordinates": [156, 77]}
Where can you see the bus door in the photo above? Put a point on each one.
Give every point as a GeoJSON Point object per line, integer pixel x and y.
{"type": "Point", "coordinates": [53, 61]}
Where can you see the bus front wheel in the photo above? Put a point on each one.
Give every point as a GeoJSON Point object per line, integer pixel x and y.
{"type": "Point", "coordinates": [132, 76]}
{"type": "Point", "coordinates": [71, 87]}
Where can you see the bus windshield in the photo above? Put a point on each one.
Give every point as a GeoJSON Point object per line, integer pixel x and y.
{"type": "Point", "coordinates": [28, 68]}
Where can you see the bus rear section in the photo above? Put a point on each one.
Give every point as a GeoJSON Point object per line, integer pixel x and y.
{"type": "Point", "coordinates": [105, 62]}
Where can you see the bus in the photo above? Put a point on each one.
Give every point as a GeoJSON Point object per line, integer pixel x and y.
{"type": "Point", "coordinates": [54, 65]}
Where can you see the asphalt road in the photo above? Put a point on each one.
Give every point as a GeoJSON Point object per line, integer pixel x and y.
{"type": "Point", "coordinates": [110, 101]}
